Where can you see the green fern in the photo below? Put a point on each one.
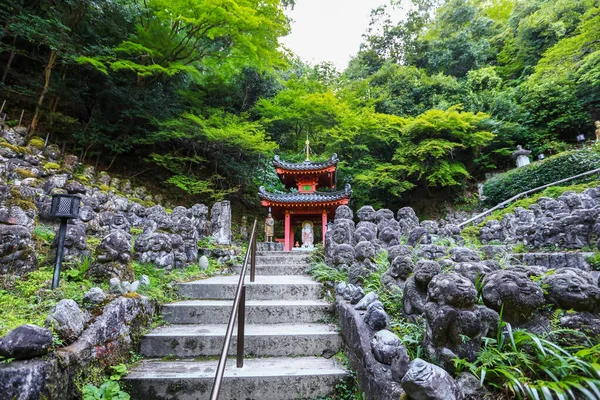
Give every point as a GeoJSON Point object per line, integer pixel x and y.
{"type": "Point", "coordinates": [535, 367]}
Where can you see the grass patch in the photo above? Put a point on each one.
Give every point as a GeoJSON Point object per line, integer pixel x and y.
{"type": "Point", "coordinates": [162, 283]}
{"type": "Point", "coordinates": [28, 299]}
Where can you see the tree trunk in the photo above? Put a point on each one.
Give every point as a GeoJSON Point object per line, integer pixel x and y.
{"type": "Point", "coordinates": [47, 74]}
{"type": "Point", "coordinates": [10, 60]}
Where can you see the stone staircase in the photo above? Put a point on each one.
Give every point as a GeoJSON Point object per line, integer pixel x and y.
{"type": "Point", "coordinates": [288, 343]}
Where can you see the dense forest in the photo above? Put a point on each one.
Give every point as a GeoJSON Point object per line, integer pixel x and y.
{"type": "Point", "coordinates": [196, 96]}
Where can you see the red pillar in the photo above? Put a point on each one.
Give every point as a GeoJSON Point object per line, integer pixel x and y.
{"type": "Point", "coordinates": [287, 232]}
{"type": "Point", "coordinates": [324, 220]}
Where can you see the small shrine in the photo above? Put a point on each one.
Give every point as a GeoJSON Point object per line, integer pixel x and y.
{"type": "Point", "coordinates": [307, 207]}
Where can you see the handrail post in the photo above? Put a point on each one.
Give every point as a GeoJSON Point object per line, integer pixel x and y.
{"type": "Point", "coordinates": [239, 305]}
{"type": "Point", "coordinates": [253, 258]}
{"type": "Point", "coordinates": [241, 328]}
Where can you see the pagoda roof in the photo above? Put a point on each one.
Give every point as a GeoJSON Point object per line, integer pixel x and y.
{"type": "Point", "coordinates": [315, 197]}
{"type": "Point", "coordinates": [305, 165]}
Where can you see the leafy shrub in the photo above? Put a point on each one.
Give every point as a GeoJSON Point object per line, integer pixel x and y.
{"type": "Point", "coordinates": [110, 389]}
{"type": "Point", "coordinates": [594, 261]}
{"type": "Point", "coordinates": [322, 272]}
{"type": "Point", "coordinates": [560, 166]}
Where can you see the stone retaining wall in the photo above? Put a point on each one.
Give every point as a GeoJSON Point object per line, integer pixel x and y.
{"type": "Point", "coordinates": [108, 340]}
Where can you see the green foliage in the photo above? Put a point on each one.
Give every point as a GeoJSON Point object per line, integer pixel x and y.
{"type": "Point", "coordinates": [346, 388]}
{"type": "Point", "coordinates": [594, 261]}
{"type": "Point", "coordinates": [323, 273]}
{"type": "Point", "coordinates": [110, 389]}
{"type": "Point", "coordinates": [533, 367]}
{"type": "Point", "coordinates": [29, 299]}
{"type": "Point", "coordinates": [552, 191]}
{"type": "Point", "coordinates": [43, 234]}
{"type": "Point", "coordinates": [162, 288]}
{"type": "Point", "coordinates": [411, 334]}
{"type": "Point", "coordinates": [551, 169]}
{"type": "Point", "coordinates": [77, 272]}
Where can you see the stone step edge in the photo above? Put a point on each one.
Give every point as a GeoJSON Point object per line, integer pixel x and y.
{"type": "Point", "coordinates": [179, 368]}
{"type": "Point", "coordinates": [251, 330]}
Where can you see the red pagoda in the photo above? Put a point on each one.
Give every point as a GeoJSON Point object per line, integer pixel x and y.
{"type": "Point", "coordinates": [307, 207]}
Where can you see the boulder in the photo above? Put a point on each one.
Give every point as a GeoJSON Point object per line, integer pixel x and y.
{"type": "Point", "coordinates": [376, 317]}
{"type": "Point", "coordinates": [386, 346]}
{"type": "Point", "coordinates": [366, 301]}
{"type": "Point", "coordinates": [33, 379]}
{"type": "Point", "coordinates": [94, 297]}
{"type": "Point", "coordinates": [25, 342]}
{"type": "Point", "coordinates": [425, 381]}
{"type": "Point", "coordinates": [67, 320]}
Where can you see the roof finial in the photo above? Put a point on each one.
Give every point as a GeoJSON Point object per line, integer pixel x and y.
{"type": "Point", "coordinates": [307, 148]}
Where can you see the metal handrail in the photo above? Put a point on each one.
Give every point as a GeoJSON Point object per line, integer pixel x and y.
{"type": "Point", "coordinates": [239, 309]}
{"type": "Point", "coordinates": [525, 193]}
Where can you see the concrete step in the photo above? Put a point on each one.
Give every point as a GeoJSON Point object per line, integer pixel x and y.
{"type": "Point", "coordinates": [265, 287]}
{"type": "Point", "coordinates": [260, 340]}
{"type": "Point", "coordinates": [276, 269]}
{"type": "Point", "coordinates": [257, 311]}
{"type": "Point", "coordinates": [275, 257]}
{"type": "Point", "coordinates": [262, 378]}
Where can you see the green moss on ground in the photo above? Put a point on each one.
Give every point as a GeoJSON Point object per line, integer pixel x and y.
{"type": "Point", "coordinates": [28, 299]}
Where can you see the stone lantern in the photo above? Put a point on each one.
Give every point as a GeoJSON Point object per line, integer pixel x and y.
{"type": "Point", "coordinates": [521, 156]}
{"type": "Point", "coordinates": [64, 206]}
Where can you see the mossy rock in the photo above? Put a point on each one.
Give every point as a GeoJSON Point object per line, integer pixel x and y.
{"type": "Point", "coordinates": [22, 204]}
{"type": "Point", "coordinates": [93, 242]}
{"type": "Point", "coordinates": [16, 149]}
{"type": "Point", "coordinates": [36, 142]}
{"type": "Point", "coordinates": [23, 173]}
{"type": "Point", "coordinates": [51, 165]}
{"type": "Point", "coordinates": [104, 188]}
{"type": "Point", "coordinates": [82, 179]}
{"type": "Point", "coordinates": [471, 231]}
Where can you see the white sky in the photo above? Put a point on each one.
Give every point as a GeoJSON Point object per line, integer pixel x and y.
{"type": "Point", "coordinates": [329, 30]}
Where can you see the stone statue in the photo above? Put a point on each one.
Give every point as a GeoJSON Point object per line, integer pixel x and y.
{"type": "Point", "coordinates": [307, 235]}
{"type": "Point", "coordinates": [75, 246]}
{"type": "Point", "coordinates": [113, 257]}
{"type": "Point", "coordinates": [269, 228]}
{"type": "Point", "coordinates": [455, 324]}
{"type": "Point", "coordinates": [514, 291]}
{"type": "Point", "coordinates": [16, 249]}
{"type": "Point", "coordinates": [415, 289]}
{"type": "Point", "coordinates": [573, 289]}
{"type": "Point", "coordinates": [597, 123]}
